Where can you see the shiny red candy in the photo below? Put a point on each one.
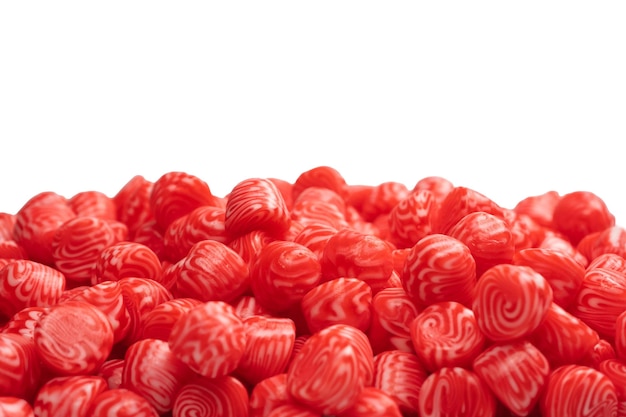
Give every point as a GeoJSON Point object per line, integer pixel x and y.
{"type": "Point", "coordinates": [249, 245]}
{"type": "Point", "coordinates": [488, 238]}
{"type": "Point", "coordinates": [356, 255]}
{"type": "Point", "coordinates": [24, 321]}
{"type": "Point", "coordinates": [212, 397]}
{"type": "Point", "coordinates": [400, 375]}
{"type": "Point", "coordinates": [175, 194]}
{"type": "Point", "coordinates": [20, 368]}
{"type": "Point", "coordinates": [132, 203]}
{"type": "Point", "coordinates": [393, 312]}
{"type": "Point", "coordinates": [601, 299]}
{"type": "Point", "coordinates": [615, 370]}
{"type": "Point", "coordinates": [141, 296]}
{"type": "Point", "coordinates": [77, 245]}
{"type": "Point", "coordinates": [564, 274]}
{"type": "Point", "coordinates": [454, 391]}
{"type": "Point", "coordinates": [153, 371]}
{"type": "Point", "coordinates": [93, 204]}
{"type": "Point", "coordinates": [563, 338]}
{"type": "Point", "coordinates": [575, 390]}
{"type": "Point", "coordinates": [439, 268]}
{"type": "Point", "coordinates": [321, 176]}
{"type": "Point", "coordinates": [539, 207]}
{"type": "Point", "coordinates": [37, 222]}
{"type": "Point", "coordinates": [203, 223]}
{"type": "Point", "coordinates": [58, 396]}
{"type": "Point", "coordinates": [121, 402]}
{"type": "Point", "coordinates": [411, 219]}
{"type": "Point", "coordinates": [126, 259]}
{"type": "Point", "coordinates": [311, 298]}
{"type": "Point", "coordinates": [382, 199]}
{"type": "Point", "coordinates": [319, 206]}
{"type": "Point", "coordinates": [211, 271]}
{"type": "Point", "coordinates": [338, 301]}
{"type": "Point", "coordinates": [74, 338]}
{"type": "Point", "coordinates": [269, 345]}
{"type": "Point", "coordinates": [158, 322]}
{"type": "Point", "coordinates": [210, 339]}
{"type": "Point", "coordinates": [603, 350]}
{"type": "Point", "coordinates": [107, 297]}
{"type": "Point", "coordinates": [331, 369]}
{"type": "Point", "coordinates": [9, 249]}
{"type": "Point", "coordinates": [579, 214]}
{"type": "Point", "coordinates": [439, 187]}
{"type": "Point", "coordinates": [511, 302]}
{"type": "Point", "coordinates": [25, 283]}
{"type": "Point", "coordinates": [459, 202]}
{"type": "Point", "coordinates": [516, 373]}
{"type": "Point", "coordinates": [256, 204]}
{"type": "Point", "coordinates": [282, 275]}
{"type": "Point", "coordinates": [112, 370]}
{"type": "Point", "coordinates": [268, 395]}
{"type": "Point", "coordinates": [446, 334]}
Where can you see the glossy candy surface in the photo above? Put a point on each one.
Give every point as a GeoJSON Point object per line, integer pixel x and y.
{"type": "Point", "coordinates": [73, 338]}
{"type": "Point", "coordinates": [331, 369]}
{"type": "Point", "coordinates": [311, 297]}
{"type": "Point", "coordinates": [209, 338]}
{"type": "Point", "coordinates": [511, 301]}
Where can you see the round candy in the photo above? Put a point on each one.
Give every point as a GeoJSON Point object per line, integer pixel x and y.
{"type": "Point", "coordinates": [563, 338]}
{"type": "Point", "coordinates": [356, 255]}
{"type": "Point", "coordinates": [331, 369]}
{"type": "Point", "coordinates": [25, 283]}
{"type": "Point", "coordinates": [175, 194]}
{"type": "Point", "coordinates": [439, 268]}
{"type": "Point", "coordinates": [393, 312]}
{"type": "Point", "coordinates": [152, 371]}
{"type": "Point", "coordinates": [564, 274]}
{"type": "Point", "coordinates": [126, 259]}
{"type": "Point", "coordinates": [516, 373]}
{"type": "Point", "coordinates": [400, 375]}
{"type": "Point", "coordinates": [256, 204]}
{"type": "Point", "coordinates": [446, 335]}
{"type": "Point", "coordinates": [511, 302]}
{"type": "Point", "coordinates": [455, 392]}
{"type": "Point", "coordinates": [411, 219]}
{"type": "Point", "coordinates": [74, 338]}
{"type": "Point", "coordinates": [338, 301]}
{"type": "Point", "coordinates": [158, 322]}
{"type": "Point", "coordinates": [211, 271]}
{"type": "Point", "coordinates": [601, 299]}
{"type": "Point", "coordinates": [488, 238]}
{"type": "Point", "coordinates": [282, 274]}
{"type": "Point", "coordinates": [575, 390]}
{"type": "Point", "coordinates": [269, 345]}
{"type": "Point", "coordinates": [212, 397]}
{"type": "Point", "coordinates": [77, 245]}
{"type": "Point", "coordinates": [210, 339]}
{"type": "Point", "coordinates": [68, 395]}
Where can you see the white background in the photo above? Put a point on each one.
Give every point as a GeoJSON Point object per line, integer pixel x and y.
{"type": "Point", "coordinates": [509, 98]}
